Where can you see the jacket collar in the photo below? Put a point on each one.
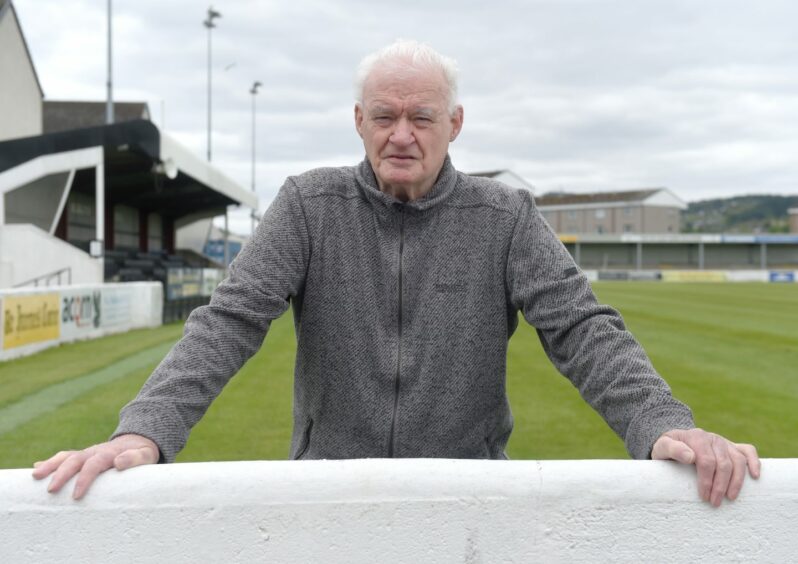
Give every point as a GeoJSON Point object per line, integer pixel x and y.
{"type": "Point", "coordinates": [441, 190]}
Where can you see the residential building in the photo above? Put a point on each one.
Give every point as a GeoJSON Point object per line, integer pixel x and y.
{"type": "Point", "coordinates": [66, 115]}
{"type": "Point", "coordinates": [655, 210]}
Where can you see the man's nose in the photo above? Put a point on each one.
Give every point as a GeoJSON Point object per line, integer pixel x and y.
{"type": "Point", "coordinates": [402, 134]}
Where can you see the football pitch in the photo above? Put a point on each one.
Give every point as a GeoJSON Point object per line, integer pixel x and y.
{"type": "Point", "coordinates": [730, 351]}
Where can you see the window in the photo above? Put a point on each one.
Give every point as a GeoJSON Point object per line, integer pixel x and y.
{"type": "Point", "coordinates": [627, 211]}
{"type": "Point", "coordinates": [571, 214]}
{"type": "Point", "coordinates": [600, 229]}
{"type": "Point", "coordinates": [601, 213]}
{"type": "Point", "coordinates": [628, 228]}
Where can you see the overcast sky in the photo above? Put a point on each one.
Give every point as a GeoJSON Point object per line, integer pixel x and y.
{"type": "Point", "coordinates": [699, 96]}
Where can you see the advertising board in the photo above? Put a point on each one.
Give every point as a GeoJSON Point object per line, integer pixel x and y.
{"type": "Point", "coordinates": [115, 307]}
{"type": "Point", "coordinates": [30, 319]}
{"type": "Point", "coordinates": [693, 276]}
{"type": "Point", "coordinates": [80, 312]}
{"type": "Point", "coordinates": [645, 275]}
{"type": "Point", "coordinates": [613, 275]}
{"type": "Point", "coordinates": [183, 283]}
{"type": "Point", "coordinates": [782, 276]}
{"type": "Point", "coordinates": [211, 277]}
{"type": "Point", "coordinates": [34, 319]}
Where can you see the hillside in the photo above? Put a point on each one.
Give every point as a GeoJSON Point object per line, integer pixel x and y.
{"type": "Point", "coordinates": [740, 214]}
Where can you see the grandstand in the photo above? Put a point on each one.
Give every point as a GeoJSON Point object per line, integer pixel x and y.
{"type": "Point", "coordinates": [88, 203]}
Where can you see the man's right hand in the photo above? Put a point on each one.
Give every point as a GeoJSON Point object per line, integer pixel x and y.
{"type": "Point", "coordinates": [123, 452]}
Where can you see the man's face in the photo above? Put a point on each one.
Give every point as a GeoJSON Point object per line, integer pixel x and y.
{"type": "Point", "coordinates": [406, 128]}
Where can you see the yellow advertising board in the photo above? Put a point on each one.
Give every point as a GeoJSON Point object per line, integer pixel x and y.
{"type": "Point", "coordinates": [693, 276]}
{"type": "Point", "coordinates": [30, 319]}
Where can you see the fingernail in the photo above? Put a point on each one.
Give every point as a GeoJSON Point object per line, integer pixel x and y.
{"type": "Point", "coordinates": [37, 463]}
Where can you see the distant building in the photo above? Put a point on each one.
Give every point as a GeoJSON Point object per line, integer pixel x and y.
{"type": "Point", "coordinates": [793, 213]}
{"type": "Point", "coordinates": [654, 210]}
{"type": "Point", "coordinates": [507, 177]}
{"type": "Point", "coordinates": [66, 115]}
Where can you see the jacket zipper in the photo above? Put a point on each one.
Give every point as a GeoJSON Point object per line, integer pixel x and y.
{"type": "Point", "coordinates": [392, 441]}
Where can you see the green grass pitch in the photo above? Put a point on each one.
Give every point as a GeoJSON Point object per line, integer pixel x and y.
{"type": "Point", "coordinates": [728, 350]}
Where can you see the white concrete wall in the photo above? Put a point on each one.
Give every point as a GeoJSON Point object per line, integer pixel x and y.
{"type": "Point", "coordinates": [20, 97]}
{"type": "Point", "coordinates": [413, 511]}
{"type": "Point", "coordinates": [27, 251]}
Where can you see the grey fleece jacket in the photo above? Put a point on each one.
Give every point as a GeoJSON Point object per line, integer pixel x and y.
{"type": "Point", "coordinates": [403, 313]}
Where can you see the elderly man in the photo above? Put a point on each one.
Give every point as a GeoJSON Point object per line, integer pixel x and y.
{"type": "Point", "coordinates": [406, 278]}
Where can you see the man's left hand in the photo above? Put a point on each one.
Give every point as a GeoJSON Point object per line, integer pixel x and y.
{"type": "Point", "coordinates": [721, 464]}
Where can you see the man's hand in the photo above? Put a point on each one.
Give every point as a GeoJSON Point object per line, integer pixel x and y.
{"type": "Point", "coordinates": [721, 464]}
{"type": "Point", "coordinates": [123, 452]}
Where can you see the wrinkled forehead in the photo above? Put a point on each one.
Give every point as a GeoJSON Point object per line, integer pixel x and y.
{"type": "Point", "coordinates": [407, 82]}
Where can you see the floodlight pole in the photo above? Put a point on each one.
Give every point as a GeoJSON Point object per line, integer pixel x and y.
{"type": "Point", "coordinates": [109, 104]}
{"type": "Point", "coordinates": [212, 15]}
{"type": "Point", "coordinates": [254, 92]}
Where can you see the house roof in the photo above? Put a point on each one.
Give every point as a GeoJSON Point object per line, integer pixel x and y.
{"type": "Point", "coordinates": [6, 7]}
{"type": "Point", "coordinates": [506, 176]}
{"type": "Point", "coordinates": [649, 197]}
{"type": "Point", "coordinates": [66, 115]}
{"type": "Point", "coordinates": [557, 199]}
{"type": "Point", "coordinates": [487, 174]}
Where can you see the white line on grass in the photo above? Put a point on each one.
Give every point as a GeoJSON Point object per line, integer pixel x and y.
{"type": "Point", "coordinates": [52, 397]}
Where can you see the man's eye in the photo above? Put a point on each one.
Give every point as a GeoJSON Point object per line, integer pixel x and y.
{"type": "Point", "coordinates": [382, 119]}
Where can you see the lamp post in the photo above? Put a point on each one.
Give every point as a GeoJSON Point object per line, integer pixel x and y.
{"type": "Point", "coordinates": [109, 104]}
{"type": "Point", "coordinates": [212, 15]}
{"type": "Point", "coordinates": [254, 92]}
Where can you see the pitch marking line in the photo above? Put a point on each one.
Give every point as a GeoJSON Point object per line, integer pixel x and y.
{"type": "Point", "coordinates": [52, 397]}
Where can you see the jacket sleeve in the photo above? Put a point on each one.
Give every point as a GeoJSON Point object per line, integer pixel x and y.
{"type": "Point", "coordinates": [586, 341]}
{"type": "Point", "coordinates": [220, 337]}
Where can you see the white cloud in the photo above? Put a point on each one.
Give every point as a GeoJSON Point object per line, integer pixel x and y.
{"type": "Point", "coordinates": [701, 97]}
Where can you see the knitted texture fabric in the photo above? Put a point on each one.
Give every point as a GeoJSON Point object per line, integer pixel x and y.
{"type": "Point", "coordinates": [403, 312]}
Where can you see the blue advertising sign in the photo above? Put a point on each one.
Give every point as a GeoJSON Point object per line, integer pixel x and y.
{"type": "Point", "coordinates": [782, 276]}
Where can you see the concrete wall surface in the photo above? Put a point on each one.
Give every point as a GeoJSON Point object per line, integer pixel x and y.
{"type": "Point", "coordinates": [27, 251]}
{"type": "Point", "coordinates": [412, 511]}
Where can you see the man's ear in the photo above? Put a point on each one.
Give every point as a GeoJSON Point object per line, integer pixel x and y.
{"type": "Point", "coordinates": [359, 119]}
{"type": "Point", "coordinates": [457, 123]}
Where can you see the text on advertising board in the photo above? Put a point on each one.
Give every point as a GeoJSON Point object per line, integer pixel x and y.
{"type": "Point", "coordinates": [30, 319]}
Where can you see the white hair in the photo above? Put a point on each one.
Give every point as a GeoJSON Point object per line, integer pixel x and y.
{"type": "Point", "coordinates": [412, 54]}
